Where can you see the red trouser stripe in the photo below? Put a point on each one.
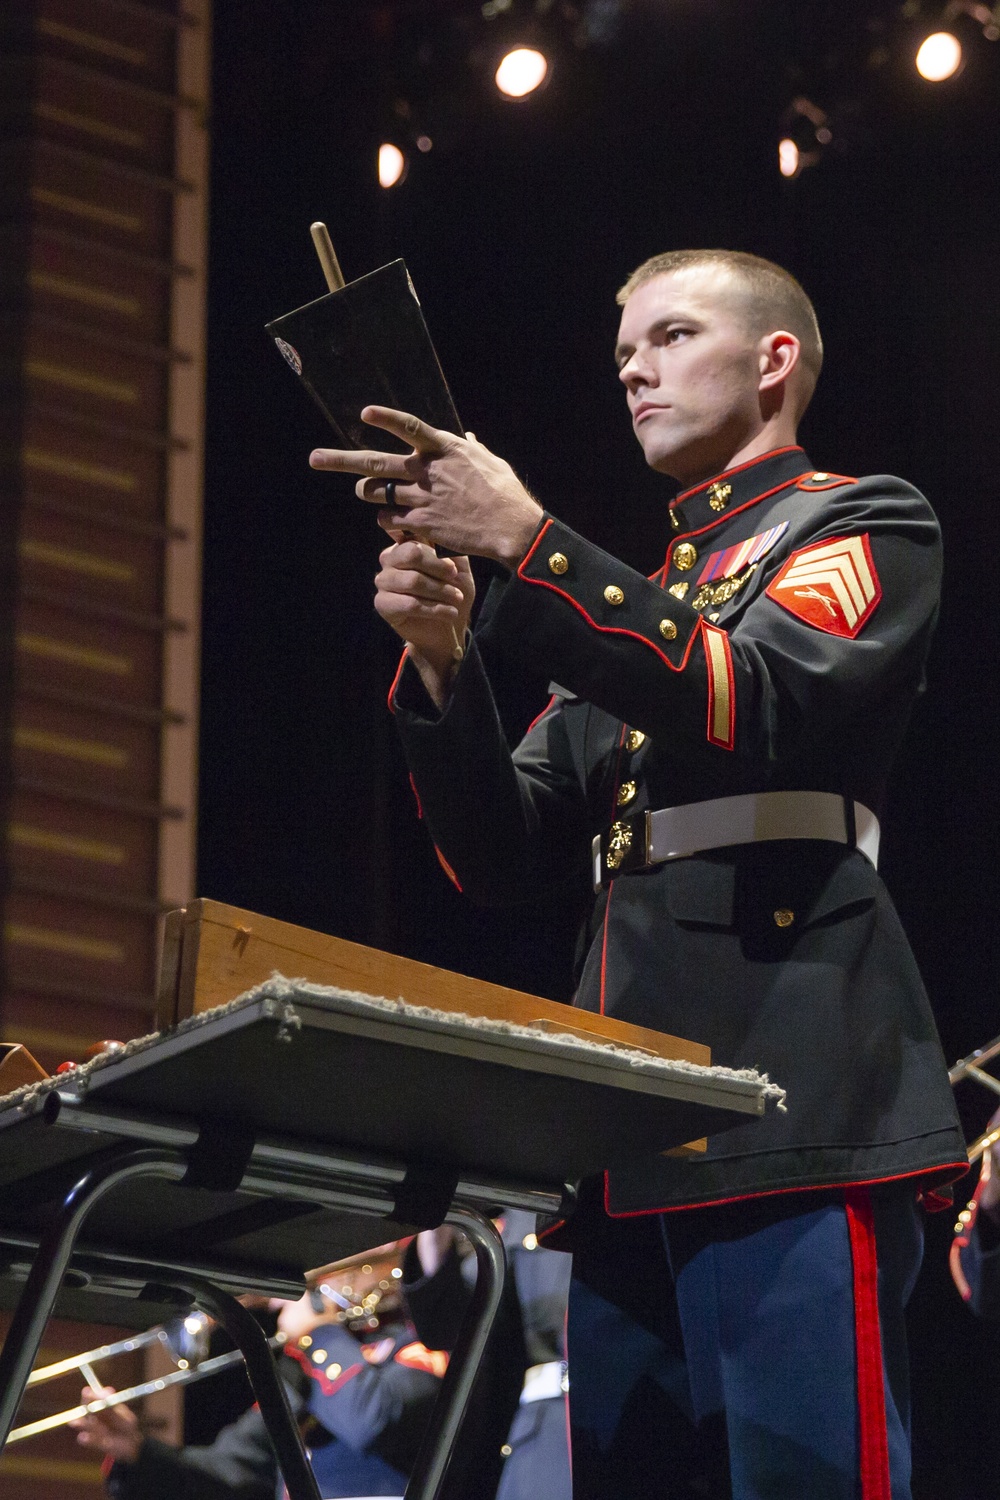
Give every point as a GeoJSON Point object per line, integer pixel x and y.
{"type": "Point", "coordinates": [868, 1343]}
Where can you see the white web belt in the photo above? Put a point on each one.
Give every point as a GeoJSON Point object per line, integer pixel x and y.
{"type": "Point", "coordinates": [756, 817]}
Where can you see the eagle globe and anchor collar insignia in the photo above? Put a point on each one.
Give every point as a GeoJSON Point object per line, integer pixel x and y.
{"type": "Point", "coordinates": [718, 500]}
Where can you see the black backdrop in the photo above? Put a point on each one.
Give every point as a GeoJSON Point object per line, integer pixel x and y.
{"type": "Point", "coordinates": [518, 227]}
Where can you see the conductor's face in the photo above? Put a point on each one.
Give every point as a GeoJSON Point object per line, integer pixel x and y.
{"type": "Point", "coordinates": [690, 365]}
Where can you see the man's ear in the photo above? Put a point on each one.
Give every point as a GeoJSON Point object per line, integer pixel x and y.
{"type": "Point", "coordinates": [779, 354]}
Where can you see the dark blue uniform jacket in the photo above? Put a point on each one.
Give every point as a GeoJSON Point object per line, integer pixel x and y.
{"type": "Point", "coordinates": [369, 1420]}
{"type": "Point", "coordinates": [780, 647]}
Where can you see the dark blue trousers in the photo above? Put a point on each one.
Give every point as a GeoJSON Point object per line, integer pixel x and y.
{"type": "Point", "coordinates": [756, 1350]}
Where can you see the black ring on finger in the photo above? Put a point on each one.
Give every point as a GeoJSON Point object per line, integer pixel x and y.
{"type": "Point", "coordinates": [390, 492]}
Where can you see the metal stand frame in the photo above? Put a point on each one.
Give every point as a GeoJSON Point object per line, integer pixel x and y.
{"type": "Point", "coordinates": [55, 1251]}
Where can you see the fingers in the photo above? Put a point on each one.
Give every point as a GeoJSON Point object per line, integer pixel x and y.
{"type": "Point", "coordinates": [420, 587]}
{"type": "Point", "coordinates": [361, 461]}
{"type": "Point", "coordinates": [413, 554]}
{"type": "Point", "coordinates": [422, 437]}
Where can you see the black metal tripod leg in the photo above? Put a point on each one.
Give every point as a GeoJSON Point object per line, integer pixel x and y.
{"type": "Point", "coordinates": [463, 1367]}
{"type": "Point", "coordinates": [45, 1278]}
{"type": "Point", "coordinates": [267, 1384]}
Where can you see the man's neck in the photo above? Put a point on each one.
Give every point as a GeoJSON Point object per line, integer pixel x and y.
{"type": "Point", "coordinates": [771, 437]}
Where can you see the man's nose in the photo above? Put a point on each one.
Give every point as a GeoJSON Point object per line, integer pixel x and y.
{"type": "Point", "coordinates": [636, 372]}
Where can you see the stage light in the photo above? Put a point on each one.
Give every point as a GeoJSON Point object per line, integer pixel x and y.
{"type": "Point", "coordinates": [520, 72]}
{"type": "Point", "coordinates": [788, 158]}
{"type": "Point", "coordinates": [391, 165]}
{"type": "Point", "coordinates": [939, 57]}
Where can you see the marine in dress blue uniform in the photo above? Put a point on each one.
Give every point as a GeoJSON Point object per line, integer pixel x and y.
{"type": "Point", "coordinates": [517, 1420]}
{"type": "Point", "coordinates": [366, 1403]}
{"type": "Point", "coordinates": [715, 753]}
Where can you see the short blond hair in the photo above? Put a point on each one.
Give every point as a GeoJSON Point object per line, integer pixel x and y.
{"type": "Point", "coordinates": [774, 299]}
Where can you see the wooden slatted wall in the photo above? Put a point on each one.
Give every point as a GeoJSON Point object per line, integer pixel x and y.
{"type": "Point", "coordinates": [103, 193]}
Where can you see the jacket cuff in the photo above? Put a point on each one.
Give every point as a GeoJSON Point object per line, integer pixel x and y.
{"type": "Point", "coordinates": [610, 596]}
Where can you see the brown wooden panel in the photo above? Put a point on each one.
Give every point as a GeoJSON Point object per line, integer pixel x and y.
{"type": "Point", "coordinates": [81, 280]}
{"type": "Point", "coordinates": [59, 1029]}
{"type": "Point", "coordinates": [225, 951]}
{"type": "Point", "coordinates": [112, 473]}
{"type": "Point", "coordinates": [55, 938]}
{"type": "Point", "coordinates": [94, 379]}
{"type": "Point", "coordinates": [94, 562]}
{"type": "Point", "coordinates": [64, 649]}
{"type": "Point", "coordinates": [82, 108]}
{"type": "Point", "coordinates": [122, 41]}
{"type": "Point", "coordinates": [85, 749]}
{"type": "Point", "coordinates": [80, 193]}
{"type": "Point", "coordinates": [71, 842]}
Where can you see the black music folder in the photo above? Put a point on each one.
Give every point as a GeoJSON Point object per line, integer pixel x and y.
{"type": "Point", "coordinates": [367, 344]}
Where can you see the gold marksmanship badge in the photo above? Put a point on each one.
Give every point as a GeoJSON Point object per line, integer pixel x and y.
{"type": "Point", "coordinates": [721, 593]}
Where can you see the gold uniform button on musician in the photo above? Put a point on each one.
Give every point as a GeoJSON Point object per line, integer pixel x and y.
{"type": "Point", "coordinates": [635, 739]}
{"type": "Point", "coordinates": [626, 792]}
{"type": "Point", "coordinates": [668, 630]}
{"type": "Point", "coordinates": [613, 594]}
{"type": "Point", "coordinates": [783, 917]}
{"type": "Point", "coordinates": [685, 556]}
{"type": "Point", "coordinates": [320, 1357]}
{"type": "Point", "coordinates": [558, 563]}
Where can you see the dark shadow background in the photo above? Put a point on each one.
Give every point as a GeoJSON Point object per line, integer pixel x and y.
{"type": "Point", "coordinates": [517, 228]}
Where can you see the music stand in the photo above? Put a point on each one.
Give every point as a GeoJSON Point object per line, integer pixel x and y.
{"type": "Point", "coordinates": [255, 1141]}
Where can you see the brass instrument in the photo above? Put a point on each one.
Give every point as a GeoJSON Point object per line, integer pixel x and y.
{"type": "Point", "coordinates": [355, 1292]}
{"type": "Point", "coordinates": [972, 1067]}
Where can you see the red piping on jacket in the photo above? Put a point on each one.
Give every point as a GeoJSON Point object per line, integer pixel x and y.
{"type": "Point", "coordinates": [686, 535]}
{"type": "Point", "coordinates": [957, 1168]}
{"type": "Point", "coordinates": [605, 629]}
{"type": "Point", "coordinates": [327, 1386]}
{"type": "Point", "coordinates": [604, 944]}
{"type": "Point", "coordinates": [713, 687]}
{"type": "Point", "coordinates": [774, 453]}
{"type": "Point", "coordinates": [395, 681]}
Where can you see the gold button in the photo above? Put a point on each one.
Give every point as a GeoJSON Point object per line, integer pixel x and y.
{"type": "Point", "coordinates": [558, 562]}
{"type": "Point", "coordinates": [613, 594]}
{"type": "Point", "coordinates": [783, 917]}
{"type": "Point", "coordinates": [685, 556]}
{"type": "Point", "coordinates": [319, 1355]}
{"type": "Point", "coordinates": [819, 478]}
{"type": "Point", "coordinates": [506, 1450]}
{"type": "Point", "coordinates": [668, 630]}
{"type": "Point", "coordinates": [635, 739]}
{"type": "Point", "coordinates": [625, 793]}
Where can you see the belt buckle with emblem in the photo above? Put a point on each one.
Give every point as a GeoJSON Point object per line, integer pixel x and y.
{"type": "Point", "coordinates": [625, 845]}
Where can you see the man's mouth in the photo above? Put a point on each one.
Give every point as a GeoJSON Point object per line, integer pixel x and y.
{"type": "Point", "coordinates": [645, 408]}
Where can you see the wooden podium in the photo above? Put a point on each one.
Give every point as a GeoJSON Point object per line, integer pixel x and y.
{"type": "Point", "coordinates": [252, 1139]}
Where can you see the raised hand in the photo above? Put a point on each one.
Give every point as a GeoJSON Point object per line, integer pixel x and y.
{"type": "Point", "coordinates": [448, 491]}
{"type": "Point", "coordinates": [427, 600]}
